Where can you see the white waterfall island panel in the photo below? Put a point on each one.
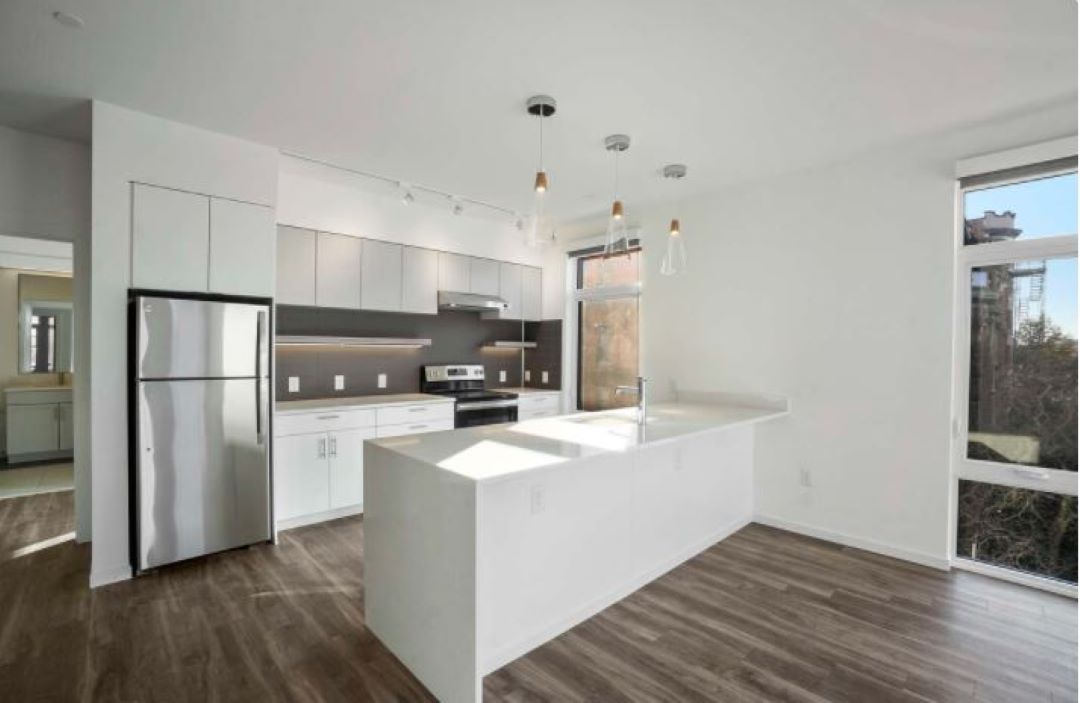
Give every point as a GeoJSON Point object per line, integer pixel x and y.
{"type": "Point", "coordinates": [483, 543]}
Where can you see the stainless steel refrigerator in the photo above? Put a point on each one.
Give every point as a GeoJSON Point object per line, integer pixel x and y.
{"type": "Point", "coordinates": [201, 449]}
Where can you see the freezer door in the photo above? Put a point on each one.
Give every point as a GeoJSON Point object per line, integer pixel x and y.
{"type": "Point", "coordinates": [202, 477]}
{"type": "Point", "coordinates": [201, 339]}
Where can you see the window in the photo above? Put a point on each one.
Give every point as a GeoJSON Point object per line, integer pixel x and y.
{"type": "Point", "coordinates": [42, 344]}
{"type": "Point", "coordinates": [607, 293]}
{"type": "Point", "coordinates": [1016, 458]}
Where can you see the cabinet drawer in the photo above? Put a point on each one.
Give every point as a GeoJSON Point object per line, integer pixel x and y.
{"type": "Point", "coordinates": [538, 402]}
{"type": "Point", "coordinates": [414, 428]}
{"type": "Point", "coordinates": [408, 414]}
{"type": "Point", "coordinates": [324, 421]}
{"type": "Point", "coordinates": [534, 413]}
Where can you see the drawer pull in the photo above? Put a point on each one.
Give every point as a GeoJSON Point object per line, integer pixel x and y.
{"type": "Point", "coordinates": [327, 417]}
{"type": "Point", "coordinates": [417, 427]}
{"type": "Point", "coordinates": [417, 410]}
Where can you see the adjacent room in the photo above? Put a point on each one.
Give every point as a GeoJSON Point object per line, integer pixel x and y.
{"type": "Point", "coordinates": [503, 352]}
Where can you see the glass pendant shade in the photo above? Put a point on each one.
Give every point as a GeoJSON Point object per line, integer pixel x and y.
{"type": "Point", "coordinates": [540, 229]}
{"type": "Point", "coordinates": [617, 241]}
{"type": "Point", "coordinates": [675, 257]}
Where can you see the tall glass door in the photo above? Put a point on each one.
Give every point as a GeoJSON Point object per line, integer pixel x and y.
{"type": "Point", "coordinates": [1016, 461]}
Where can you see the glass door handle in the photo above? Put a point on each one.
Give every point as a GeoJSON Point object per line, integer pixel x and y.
{"type": "Point", "coordinates": [1028, 472]}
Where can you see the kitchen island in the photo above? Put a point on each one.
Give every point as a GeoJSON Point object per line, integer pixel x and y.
{"type": "Point", "coordinates": [483, 543]}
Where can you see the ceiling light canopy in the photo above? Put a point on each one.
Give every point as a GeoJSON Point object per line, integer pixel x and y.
{"type": "Point", "coordinates": [68, 20]}
{"type": "Point", "coordinates": [540, 230]}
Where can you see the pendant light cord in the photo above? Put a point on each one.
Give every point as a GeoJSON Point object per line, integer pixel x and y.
{"type": "Point", "coordinates": [540, 116]}
{"type": "Point", "coordinates": [616, 174]}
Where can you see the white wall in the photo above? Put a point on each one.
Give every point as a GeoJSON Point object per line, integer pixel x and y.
{"type": "Point", "coordinates": [129, 146]}
{"type": "Point", "coordinates": [330, 199]}
{"type": "Point", "coordinates": [832, 287]}
{"type": "Point", "coordinates": [44, 186]}
{"type": "Point", "coordinates": [45, 194]}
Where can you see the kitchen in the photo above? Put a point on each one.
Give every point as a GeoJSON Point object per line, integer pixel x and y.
{"type": "Point", "coordinates": [491, 370]}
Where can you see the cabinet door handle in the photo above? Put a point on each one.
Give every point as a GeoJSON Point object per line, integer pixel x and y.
{"type": "Point", "coordinates": [322, 447]}
{"type": "Point", "coordinates": [333, 447]}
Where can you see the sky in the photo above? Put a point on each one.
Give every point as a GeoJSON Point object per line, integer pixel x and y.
{"type": "Point", "coordinates": [1043, 208]}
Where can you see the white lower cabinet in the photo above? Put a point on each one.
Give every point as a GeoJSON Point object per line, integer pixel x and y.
{"type": "Point", "coordinates": [347, 467]}
{"type": "Point", "coordinates": [535, 405]}
{"type": "Point", "coordinates": [301, 476]}
{"type": "Point", "coordinates": [39, 424]}
{"type": "Point", "coordinates": [319, 455]}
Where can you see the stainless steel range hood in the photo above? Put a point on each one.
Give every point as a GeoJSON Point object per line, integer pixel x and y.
{"type": "Point", "coordinates": [454, 300]}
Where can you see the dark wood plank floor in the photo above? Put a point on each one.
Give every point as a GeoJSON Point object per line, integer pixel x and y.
{"type": "Point", "coordinates": [763, 616]}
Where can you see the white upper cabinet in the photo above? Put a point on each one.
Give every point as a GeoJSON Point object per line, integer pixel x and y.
{"type": "Point", "coordinates": [532, 307]}
{"type": "Point", "coordinates": [380, 276]}
{"type": "Point", "coordinates": [241, 248]}
{"type": "Point", "coordinates": [453, 272]}
{"type": "Point", "coordinates": [170, 239]}
{"type": "Point", "coordinates": [510, 290]}
{"type": "Point", "coordinates": [295, 283]}
{"type": "Point", "coordinates": [483, 276]}
{"type": "Point", "coordinates": [419, 280]}
{"type": "Point", "coordinates": [337, 270]}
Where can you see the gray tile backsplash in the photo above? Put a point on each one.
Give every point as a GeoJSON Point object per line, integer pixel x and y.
{"type": "Point", "coordinates": [456, 338]}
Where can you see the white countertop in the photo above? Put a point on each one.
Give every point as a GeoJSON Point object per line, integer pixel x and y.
{"type": "Point", "coordinates": [359, 401]}
{"type": "Point", "coordinates": [493, 451]}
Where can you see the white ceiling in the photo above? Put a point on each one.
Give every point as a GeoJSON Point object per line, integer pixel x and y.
{"type": "Point", "coordinates": [432, 92]}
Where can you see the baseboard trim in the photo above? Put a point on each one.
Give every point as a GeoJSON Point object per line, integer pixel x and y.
{"type": "Point", "coordinates": [106, 576]}
{"type": "Point", "coordinates": [517, 649]}
{"type": "Point", "coordinates": [883, 548]}
{"type": "Point", "coordinates": [304, 520]}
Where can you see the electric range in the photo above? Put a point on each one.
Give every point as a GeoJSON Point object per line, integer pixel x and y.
{"type": "Point", "coordinates": [473, 403]}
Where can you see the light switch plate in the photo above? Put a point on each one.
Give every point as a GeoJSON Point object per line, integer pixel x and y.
{"type": "Point", "coordinates": [528, 375]}
{"type": "Point", "coordinates": [339, 382]}
{"type": "Point", "coordinates": [502, 377]}
{"type": "Point", "coordinates": [382, 380]}
{"type": "Point", "coordinates": [294, 384]}
{"type": "Point", "coordinates": [544, 377]}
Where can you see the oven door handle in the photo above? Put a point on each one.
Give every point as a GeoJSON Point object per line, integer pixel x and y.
{"type": "Point", "coordinates": [485, 405]}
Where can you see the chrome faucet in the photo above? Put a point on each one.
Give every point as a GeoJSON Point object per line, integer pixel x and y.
{"type": "Point", "coordinates": [639, 389]}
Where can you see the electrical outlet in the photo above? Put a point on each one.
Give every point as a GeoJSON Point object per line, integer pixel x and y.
{"type": "Point", "coordinates": [528, 375]}
{"type": "Point", "coordinates": [294, 384]}
{"type": "Point", "coordinates": [502, 377]}
{"type": "Point", "coordinates": [382, 380]}
{"type": "Point", "coordinates": [805, 479]}
{"type": "Point", "coordinates": [544, 377]}
{"type": "Point", "coordinates": [339, 382]}
{"type": "Point", "coordinates": [536, 500]}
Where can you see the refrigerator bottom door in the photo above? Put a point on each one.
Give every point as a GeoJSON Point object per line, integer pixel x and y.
{"type": "Point", "coordinates": [203, 479]}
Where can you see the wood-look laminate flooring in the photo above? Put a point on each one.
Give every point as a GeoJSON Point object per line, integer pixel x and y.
{"type": "Point", "coordinates": [763, 616]}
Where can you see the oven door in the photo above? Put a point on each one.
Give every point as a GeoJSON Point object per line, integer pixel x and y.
{"type": "Point", "coordinates": [490, 412]}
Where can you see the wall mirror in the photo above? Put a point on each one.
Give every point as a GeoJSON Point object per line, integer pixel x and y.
{"type": "Point", "coordinates": [45, 323]}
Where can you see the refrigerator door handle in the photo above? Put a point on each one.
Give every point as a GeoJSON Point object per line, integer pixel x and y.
{"type": "Point", "coordinates": [259, 321]}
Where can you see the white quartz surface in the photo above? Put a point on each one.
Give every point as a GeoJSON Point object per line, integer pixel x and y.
{"type": "Point", "coordinates": [360, 401]}
{"type": "Point", "coordinates": [492, 451]}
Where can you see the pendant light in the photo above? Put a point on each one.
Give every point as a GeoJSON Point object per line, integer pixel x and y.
{"type": "Point", "coordinates": [540, 230]}
{"type": "Point", "coordinates": [675, 257]}
{"type": "Point", "coordinates": [617, 240]}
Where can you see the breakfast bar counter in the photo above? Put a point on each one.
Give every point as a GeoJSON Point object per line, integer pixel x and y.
{"type": "Point", "coordinates": [480, 544]}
